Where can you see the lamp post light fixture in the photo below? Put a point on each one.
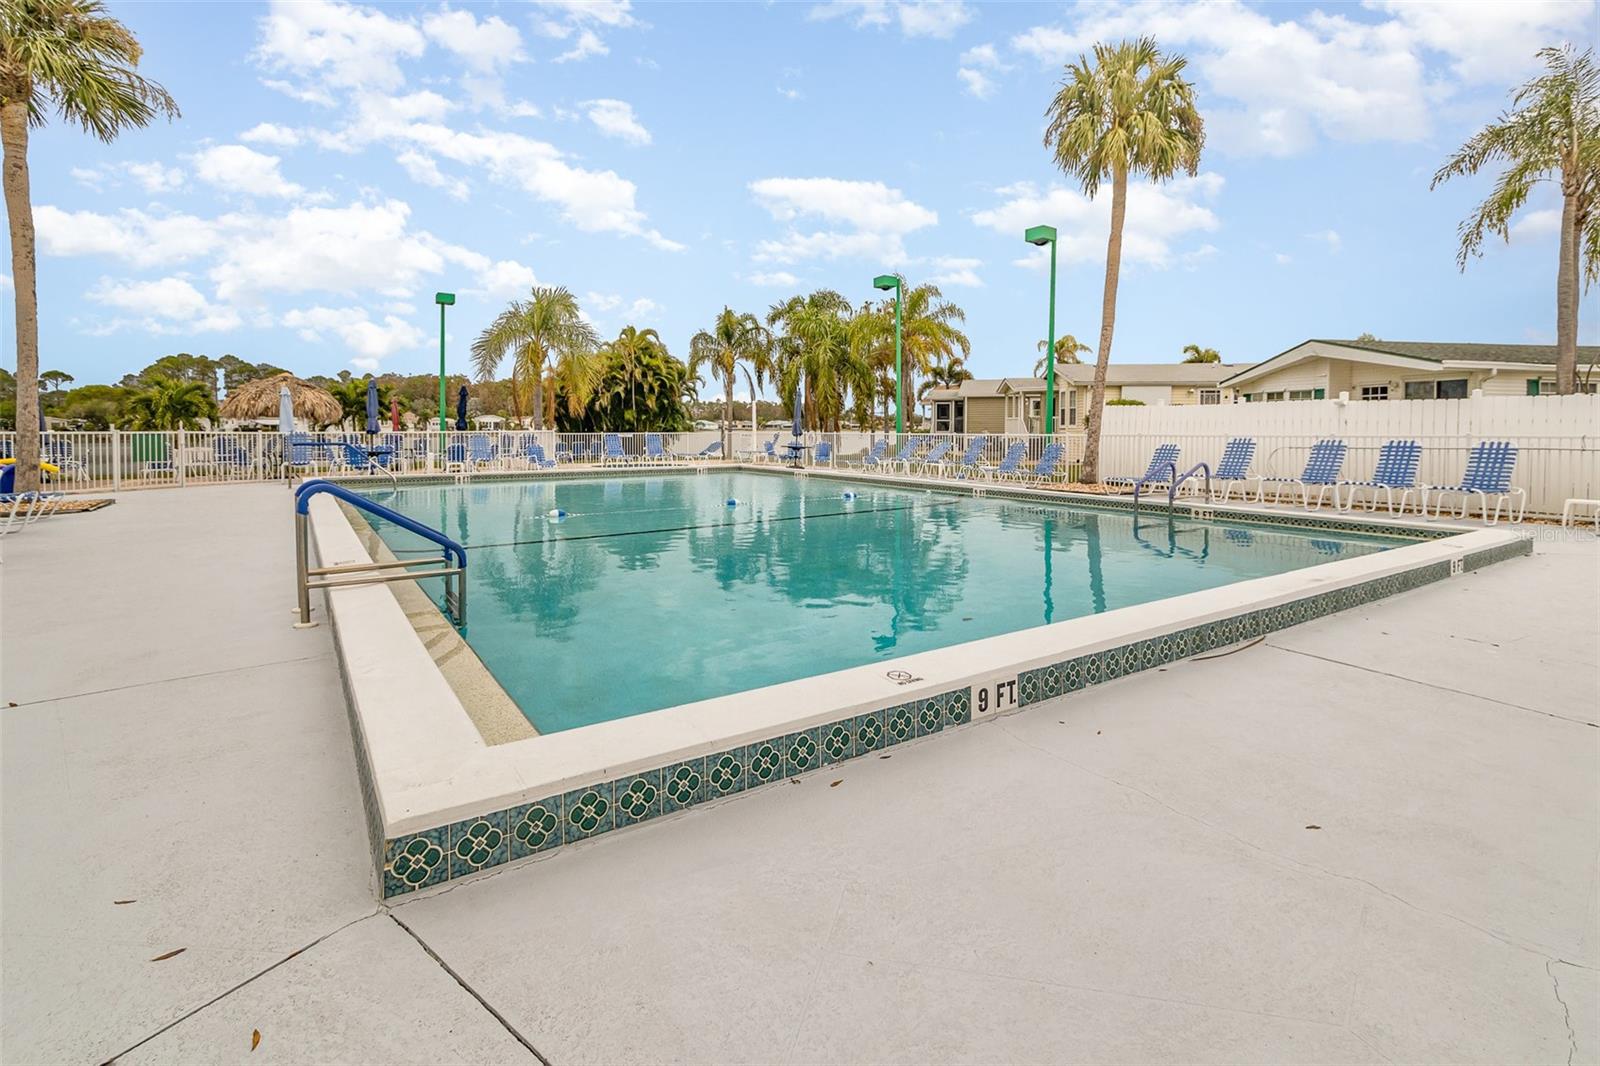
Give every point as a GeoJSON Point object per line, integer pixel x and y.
{"type": "Point", "coordinates": [443, 299]}
{"type": "Point", "coordinates": [887, 282]}
{"type": "Point", "coordinates": [1042, 235]}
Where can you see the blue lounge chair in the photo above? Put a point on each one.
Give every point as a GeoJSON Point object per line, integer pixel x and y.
{"type": "Point", "coordinates": [971, 460]}
{"type": "Point", "coordinates": [613, 454]}
{"type": "Point", "coordinates": [1488, 475]}
{"type": "Point", "coordinates": [653, 451]}
{"type": "Point", "coordinates": [1009, 463]}
{"type": "Point", "coordinates": [1396, 469]}
{"type": "Point", "coordinates": [455, 455]}
{"type": "Point", "coordinates": [823, 453]}
{"type": "Point", "coordinates": [906, 455]}
{"type": "Point", "coordinates": [710, 451]}
{"type": "Point", "coordinates": [1045, 469]}
{"type": "Point", "coordinates": [1234, 468]}
{"type": "Point", "coordinates": [934, 458]}
{"type": "Point", "coordinates": [533, 452]}
{"type": "Point", "coordinates": [229, 454]}
{"type": "Point", "coordinates": [481, 451]}
{"type": "Point", "coordinates": [1321, 472]}
{"type": "Point", "coordinates": [1163, 469]}
{"type": "Point", "coordinates": [874, 459]}
{"type": "Point", "coordinates": [21, 509]}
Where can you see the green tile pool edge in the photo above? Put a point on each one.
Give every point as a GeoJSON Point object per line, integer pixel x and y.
{"type": "Point", "coordinates": [450, 852]}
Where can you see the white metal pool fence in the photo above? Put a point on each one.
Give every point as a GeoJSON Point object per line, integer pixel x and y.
{"type": "Point", "coordinates": [1558, 441]}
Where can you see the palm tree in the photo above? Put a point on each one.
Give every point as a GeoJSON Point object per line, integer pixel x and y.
{"type": "Point", "coordinates": [352, 397]}
{"type": "Point", "coordinates": [1193, 353]}
{"type": "Point", "coordinates": [1552, 132]}
{"type": "Point", "coordinates": [1067, 349]}
{"type": "Point", "coordinates": [1129, 112]}
{"type": "Point", "coordinates": [170, 404]}
{"type": "Point", "coordinates": [929, 332]}
{"type": "Point", "coordinates": [871, 338]}
{"type": "Point", "coordinates": [547, 326]}
{"type": "Point", "coordinates": [635, 356]}
{"type": "Point", "coordinates": [815, 348]}
{"type": "Point", "coordinates": [734, 340]}
{"type": "Point", "coordinates": [574, 376]}
{"type": "Point", "coordinates": [70, 56]}
{"type": "Point", "coordinates": [945, 375]}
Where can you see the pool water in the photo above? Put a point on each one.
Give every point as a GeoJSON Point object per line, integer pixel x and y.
{"type": "Point", "coordinates": [661, 590]}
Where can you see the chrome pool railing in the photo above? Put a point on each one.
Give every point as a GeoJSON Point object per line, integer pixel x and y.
{"type": "Point", "coordinates": [455, 576]}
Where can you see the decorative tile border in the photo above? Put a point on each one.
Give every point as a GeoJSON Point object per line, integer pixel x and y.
{"type": "Point", "coordinates": [421, 860]}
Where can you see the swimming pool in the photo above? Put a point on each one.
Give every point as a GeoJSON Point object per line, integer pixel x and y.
{"type": "Point", "coordinates": [599, 598]}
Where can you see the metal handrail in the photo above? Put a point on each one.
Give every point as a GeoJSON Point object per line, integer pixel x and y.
{"type": "Point", "coordinates": [1172, 493]}
{"type": "Point", "coordinates": [455, 576]}
{"type": "Point", "coordinates": [1138, 486]}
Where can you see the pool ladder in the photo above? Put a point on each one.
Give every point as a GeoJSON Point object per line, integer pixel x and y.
{"type": "Point", "coordinates": [1177, 482]}
{"type": "Point", "coordinates": [450, 564]}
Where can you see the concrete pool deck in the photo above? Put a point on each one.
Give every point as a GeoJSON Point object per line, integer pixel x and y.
{"type": "Point", "coordinates": [1125, 874]}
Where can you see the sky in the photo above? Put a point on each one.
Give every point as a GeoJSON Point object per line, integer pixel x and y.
{"type": "Point", "coordinates": [336, 164]}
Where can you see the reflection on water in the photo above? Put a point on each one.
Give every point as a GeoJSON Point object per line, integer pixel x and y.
{"type": "Point", "coordinates": [654, 591]}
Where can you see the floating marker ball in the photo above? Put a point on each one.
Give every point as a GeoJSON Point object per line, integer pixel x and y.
{"type": "Point", "coordinates": [849, 495]}
{"type": "Point", "coordinates": [557, 514]}
{"type": "Point", "coordinates": [732, 502]}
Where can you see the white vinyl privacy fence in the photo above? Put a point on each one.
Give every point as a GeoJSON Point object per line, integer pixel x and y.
{"type": "Point", "coordinates": [1558, 441]}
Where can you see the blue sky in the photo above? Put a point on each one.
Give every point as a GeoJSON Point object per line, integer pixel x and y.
{"type": "Point", "coordinates": [337, 163]}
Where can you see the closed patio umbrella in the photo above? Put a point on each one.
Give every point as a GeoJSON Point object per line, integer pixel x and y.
{"type": "Point", "coordinates": [394, 415]}
{"type": "Point", "coordinates": [461, 408]}
{"type": "Point", "coordinates": [285, 411]}
{"type": "Point", "coordinates": [372, 405]}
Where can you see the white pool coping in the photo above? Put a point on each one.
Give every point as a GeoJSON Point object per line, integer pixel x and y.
{"type": "Point", "coordinates": [429, 766]}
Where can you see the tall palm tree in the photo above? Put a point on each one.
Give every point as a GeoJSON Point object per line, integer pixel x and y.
{"type": "Point", "coordinates": [929, 333]}
{"type": "Point", "coordinates": [734, 340]}
{"type": "Point", "coordinates": [1193, 353]}
{"type": "Point", "coordinates": [814, 348]}
{"type": "Point", "coordinates": [1551, 133]}
{"type": "Point", "coordinates": [948, 374]}
{"type": "Point", "coordinates": [574, 376]}
{"type": "Point", "coordinates": [636, 356]}
{"type": "Point", "coordinates": [1067, 349]}
{"type": "Point", "coordinates": [547, 326]}
{"type": "Point", "coordinates": [871, 338]}
{"type": "Point", "coordinates": [170, 404]}
{"type": "Point", "coordinates": [70, 57]}
{"type": "Point", "coordinates": [1129, 112]}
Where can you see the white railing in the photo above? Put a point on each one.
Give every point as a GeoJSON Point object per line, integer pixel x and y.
{"type": "Point", "coordinates": [1558, 441]}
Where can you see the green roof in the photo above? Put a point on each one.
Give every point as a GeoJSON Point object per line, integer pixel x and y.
{"type": "Point", "coordinates": [1477, 353]}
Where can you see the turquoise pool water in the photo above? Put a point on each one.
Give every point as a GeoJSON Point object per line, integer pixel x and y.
{"type": "Point", "coordinates": [653, 591]}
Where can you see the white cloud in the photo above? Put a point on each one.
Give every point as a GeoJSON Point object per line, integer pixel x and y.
{"type": "Point", "coordinates": [273, 134]}
{"type": "Point", "coordinates": [779, 278]}
{"type": "Point", "coordinates": [615, 118]}
{"type": "Point", "coordinates": [953, 270]}
{"type": "Point", "coordinates": [424, 170]}
{"type": "Point", "coordinates": [235, 168]}
{"type": "Point", "coordinates": [976, 82]}
{"type": "Point", "coordinates": [1158, 216]}
{"type": "Point", "coordinates": [484, 46]}
{"type": "Point", "coordinates": [337, 45]}
{"type": "Point", "coordinates": [1281, 85]}
{"type": "Point", "coordinates": [1533, 225]}
{"type": "Point", "coordinates": [790, 94]}
{"type": "Point", "coordinates": [916, 18]}
{"type": "Point", "coordinates": [167, 305]}
{"type": "Point", "coordinates": [982, 55]}
{"type": "Point", "coordinates": [1282, 259]}
{"type": "Point", "coordinates": [614, 14]}
{"type": "Point", "coordinates": [588, 44]}
{"type": "Point", "coordinates": [154, 178]}
{"type": "Point", "coordinates": [879, 218]}
{"type": "Point", "coordinates": [371, 341]}
{"type": "Point", "coordinates": [1329, 237]}
{"type": "Point", "coordinates": [132, 236]}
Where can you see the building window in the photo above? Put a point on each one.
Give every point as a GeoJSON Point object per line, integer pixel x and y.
{"type": "Point", "coordinates": [1449, 389]}
{"type": "Point", "coordinates": [1374, 392]}
{"type": "Point", "coordinates": [1419, 390]}
{"type": "Point", "coordinates": [958, 416]}
{"type": "Point", "coordinates": [1302, 394]}
{"type": "Point", "coordinates": [941, 416]}
{"type": "Point", "coordinates": [1072, 407]}
{"type": "Point", "coordinates": [1547, 387]}
{"type": "Point", "coordinates": [1210, 396]}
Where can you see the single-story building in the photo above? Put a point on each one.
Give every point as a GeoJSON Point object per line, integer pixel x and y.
{"type": "Point", "coordinates": [1016, 405]}
{"type": "Point", "coordinates": [1402, 370]}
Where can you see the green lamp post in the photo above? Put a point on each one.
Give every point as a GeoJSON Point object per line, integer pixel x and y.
{"type": "Point", "coordinates": [1042, 235]}
{"type": "Point", "coordinates": [887, 282]}
{"type": "Point", "coordinates": [443, 299]}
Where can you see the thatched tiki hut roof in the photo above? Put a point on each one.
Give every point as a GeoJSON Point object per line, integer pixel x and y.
{"type": "Point", "coordinates": [259, 399]}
